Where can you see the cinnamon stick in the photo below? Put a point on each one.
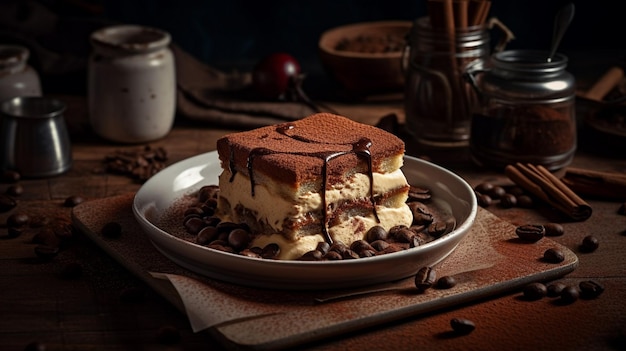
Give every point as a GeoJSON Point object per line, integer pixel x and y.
{"type": "Point", "coordinates": [606, 185]}
{"type": "Point", "coordinates": [605, 84]}
{"type": "Point", "coordinates": [537, 180]}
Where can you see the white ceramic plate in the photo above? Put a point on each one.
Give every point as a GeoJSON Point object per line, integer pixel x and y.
{"type": "Point", "coordinates": [161, 191]}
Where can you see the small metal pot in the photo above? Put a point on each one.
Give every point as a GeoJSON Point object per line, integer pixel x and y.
{"type": "Point", "coordinates": [33, 137]}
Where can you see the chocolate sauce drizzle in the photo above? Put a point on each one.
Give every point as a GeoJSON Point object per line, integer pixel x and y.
{"type": "Point", "coordinates": [360, 148]}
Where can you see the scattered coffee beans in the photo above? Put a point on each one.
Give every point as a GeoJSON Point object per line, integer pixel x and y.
{"type": "Point", "coordinates": [462, 326]}
{"type": "Point", "coordinates": [553, 229]}
{"type": "Point", "coordinates": [483, 200]}
{"type": "Point", "coordinates": [555, 289]}
{"type": "Point", "coordinates": [590, 244]}
{"type": "Point", "coordinates": [590, 289]}
{"type": "Point", "coordinates": [535, 291]}
{"type": "Point", "coordinates": [553, 256]}
{"type": "Point", "coordinates": [425, 278]}
{"type": "Point", "coordinates": [530, 232]}
{"type": "Point", "coordinates": [140, 164]}
{"type": "Point", "coordinates": [525, 201]}
{"type": "Point", "coordinates": [446, 282]}
{"type": "Point", "coordinates": [569, 294]}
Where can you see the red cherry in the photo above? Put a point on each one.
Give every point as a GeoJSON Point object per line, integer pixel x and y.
{"type": "Point", "coordinates": [274, 75]}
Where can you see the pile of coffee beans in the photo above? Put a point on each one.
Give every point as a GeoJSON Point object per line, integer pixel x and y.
{"type": "Point", "coordinates": [140, 164]}
{"type": "Point", "coordinates": [488, 194]}
{"type": "Point", "coordinates": [209, 230]}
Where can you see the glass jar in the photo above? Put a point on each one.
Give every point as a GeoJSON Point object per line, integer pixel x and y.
{"type": "Point", "coordinates": [527, 111]}
{"type": "Point", "coordinates": [131, 84]}
{"type": "Point", "coordinates": [438, 100]}
{"type": "Point", "coordinates": [17, 78]}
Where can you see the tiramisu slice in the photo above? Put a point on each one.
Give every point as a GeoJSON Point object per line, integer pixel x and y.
{"type": "Point", "coordinates": [321, 178]}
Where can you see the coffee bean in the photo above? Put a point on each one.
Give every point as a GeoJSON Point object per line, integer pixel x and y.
{"type": "Point", "coordinates": [333, 256]}
{"type": "Point", "coordinates": [555, 289]}
{"type": "Point", "coordinates": [508, 201]}
{"type": "Point", "coordinates": [206, 235]}
{"type": "Point", "coordinates": [73, 200]}
{"type": "Point", "coordinates": [483, 200]}
{"type": "Point", "coordinates": [168, 335]}
{"type": "Point", "coordinates": [270, 251]}
{"type": "Point", "coordinates": [111, 230]}
{"type": "Point", "coordinates": [349, 254]}
{"type": "Point", "coordinates": [323, 247]}
{"type": "Point", "coordinates": [553, 256]}
{"type": "Point", "coordinates": [590, 244]}
{"type": "Point", "coordinates": [516, 191]}
{"type": "Point", "coordinates": [462, 326]}
{"type": "Point", "coordinates": [15, 190]}
{"type": "Point", "coordinates": [553, 229]}
{"type": "Point", "coordinates": [194, 224]}
{"type": "Point", "coordinates": [360, 245]}
{"type": "Point", "coordinates": [437, 229]}
{"type": "Point", "coordinates": [45, 236]}
{"type": "Point", "coordinates": [425, 278]}
{"type": "Point", "coordinates": [525, 201]}
{"type": "Point", "coordinates": [484, 188]}
{"type": "Point", "coordinates": [7, 203]}
{"type": "Point", "coordinates": [590, 289]}
{"type": "Point", "coordinates": [535, 291]}
{"type": "Point", "coordinates": [530, 232]}
{"type": "Point", "coordinates": [313, 255]}
{"type": "Point", "coordinates": [238, 239]}
{"type": "Point", "coordinates": [496, 192]}
{"type": "Point", "coordinates": [420, 194]}
{"type": "Point", "coordinates": [446, 282]}
{"type": "Point", "coordinates": [569, 294]}
{"type": "Point", "coordinates": [380, 245]}
{"type": "Point", "coordinates": [10, 176]}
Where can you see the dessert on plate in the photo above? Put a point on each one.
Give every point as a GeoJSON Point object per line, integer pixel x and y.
{"type": "Point", "coordinates": [324, 178]}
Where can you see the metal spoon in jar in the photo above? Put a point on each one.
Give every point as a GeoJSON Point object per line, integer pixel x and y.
{"type": "Point", "coordinates": [561, 22]}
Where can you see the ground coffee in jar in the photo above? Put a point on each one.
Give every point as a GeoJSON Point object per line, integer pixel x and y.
{"type": "Point", "coordinates": [526, 113]}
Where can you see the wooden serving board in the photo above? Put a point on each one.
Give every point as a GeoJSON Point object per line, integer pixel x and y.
{"type": "Point", "coordinates": [489, 261]}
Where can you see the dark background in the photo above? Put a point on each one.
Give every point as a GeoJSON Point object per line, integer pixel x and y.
{"type": "Point", "coordinates": [234, 34]}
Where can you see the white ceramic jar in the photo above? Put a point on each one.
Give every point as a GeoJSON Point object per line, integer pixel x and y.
{"type": "Point", "coordinates": [17, 78]}
{"type": "Point", "coordinates": [131, 84]}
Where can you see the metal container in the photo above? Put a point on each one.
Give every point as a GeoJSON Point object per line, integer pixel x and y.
{"type": "Point", "coordinates": [17, 78]}
{"type": "Point", "coordinates": [527, 111]}
{"type": "Point", "coordinates": [33, 137]}
{"type": "Point", "coordinates": [131, 84]}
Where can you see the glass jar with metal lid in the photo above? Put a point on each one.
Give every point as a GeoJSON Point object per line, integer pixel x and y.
{"type": "Point", "coordinates": [527, 111]}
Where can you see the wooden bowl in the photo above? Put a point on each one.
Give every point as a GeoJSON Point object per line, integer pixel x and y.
{"type": "Point", "coordinates": [366, 58]}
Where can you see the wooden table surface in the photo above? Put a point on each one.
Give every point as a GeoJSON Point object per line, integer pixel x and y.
{"type": "Point", "coordinates": [97, 310]}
